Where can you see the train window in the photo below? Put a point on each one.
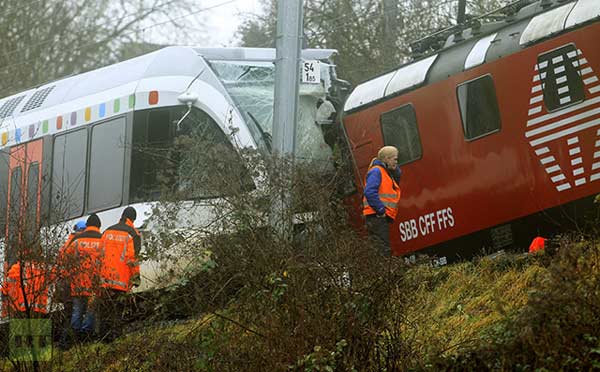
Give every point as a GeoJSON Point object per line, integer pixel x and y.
{"type": "Point", "coordinates": [173, 160]}
{"type": "Point", "coordinates": [3, 190]}
{"type": "Point", "coordinates": [107, 156]}
{"type": "Point", "coordinates": [68, 174]}
{"type": "Point", "coordinates": [400, 130]}
{"type": "Point", "coordinates": [479, 107]}
{"type": "Point", "coordinates": [150, 166]}
{"type": "Point", "coordinates": [559, 77]}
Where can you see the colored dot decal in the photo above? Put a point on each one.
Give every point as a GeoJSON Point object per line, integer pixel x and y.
{"type": "Point", "coordinates": [117, 106]}
{"type": "Point", "coordinates": [88, 113]}
{"type": "Point", "coordinates": [102, 110]}
{"type": "Point", "coordinates": [31, 130]}
{"type": "Point", "coordinates": [74, 118]}
{"type": "Point", "coordinates": [131, 101]}
{"type": "Point", "coordinates": [153, 97]}
{"type": "Point", "coordinates": [4, 138]}
{"type": "Point", "coordinates": [18, 135]}
{"type": "Point", "coordinates": [45, 126]}
{"type": "Point", "coordinates": [59, 122]}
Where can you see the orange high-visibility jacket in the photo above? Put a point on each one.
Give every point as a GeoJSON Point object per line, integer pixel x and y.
{"type": "Point", "coordinates": [121, 243]}
{"type": "Point", "coordinates": [537, 244]}
{"type": "Point", "coordinates": [389, 194]}
{"type": "Point", "coordinates": [62, 263]}
{"type": "Point", "coordinates": [29, 279]}
{"type": "Point", "coordinates": [83, 260]}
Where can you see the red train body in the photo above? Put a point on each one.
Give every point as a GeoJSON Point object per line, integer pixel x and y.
{"type": "Point", "coordinates": [496, 130]}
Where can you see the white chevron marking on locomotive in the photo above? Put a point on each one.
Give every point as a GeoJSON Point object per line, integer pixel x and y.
{"type": "Point", "coordinates": [538, 77]}
{"type": "Point", "coordinates": [564, 187]}
{"type": "Point", "coordinates": [535, 110]}
{"type": "Point", "coordinates": [547, 160]}
{"type": "Point", "coordinates": [591, 80]}
{"type": "Point", "coordinates": [567, 110]}
{"type": "Point", "coordinates": [536, 99]}
{"type": "Point", "coordinates": [563, 122]}
{"type": "Point", "coordinates": [565, 100]}
{"type": "Point", "coordinates": [565, 132]}
{"type": "Point", "coordinates": [541, 66]}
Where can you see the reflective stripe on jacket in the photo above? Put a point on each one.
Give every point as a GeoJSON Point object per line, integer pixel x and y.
{"type": "Point", "coordinates": [121, 243]}
{"type": "Point", "coordinates": [389, 194]}
{"type": "Point", "coordinates": [83, 259]}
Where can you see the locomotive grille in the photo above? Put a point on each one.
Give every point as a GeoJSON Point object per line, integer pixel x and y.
{"type": "Point", "coordinates": [564, 116]}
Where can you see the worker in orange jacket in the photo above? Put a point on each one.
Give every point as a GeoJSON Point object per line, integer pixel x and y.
{"type": "Point", "coordinates": [381, 196]}
{"type": "Point", "coordinates": [122, 244]}
{"type": "Point", "coordinates": [26, 289]}
{"type": "Point", "coordinates": [84, 252]}
{"type": "Point", "coordinates": [120, 269]}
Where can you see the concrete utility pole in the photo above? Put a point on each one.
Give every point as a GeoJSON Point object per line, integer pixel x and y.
{"type": "Point", "coordinates": [287, 75]}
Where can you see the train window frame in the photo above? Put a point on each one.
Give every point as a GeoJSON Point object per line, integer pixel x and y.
{"type": "Point", "coordinates": [4, 171]}
{"type": "Point", "coordinates": [545, 92]}
{"type": "Point", "coordinates": [415, 124]}
{"type": "Point", "coordinates": [14, 212]}
{"type": "Point", "coordinates": [33, 199]}
{"type": "Point", "coordinates": [80, 211]}
{"type": "Point", "coordinates": [464, 121]}
{"type": "Point", "coordinates": [89, 207]}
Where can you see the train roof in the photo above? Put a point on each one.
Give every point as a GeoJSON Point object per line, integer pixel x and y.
{"type": "Point", "coordinates": [125, 76]}
{"type": "Point", "coordinates": [472, 47]}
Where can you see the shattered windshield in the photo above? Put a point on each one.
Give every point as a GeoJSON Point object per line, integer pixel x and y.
{"type": "Point", "coordinates": [252, 85]}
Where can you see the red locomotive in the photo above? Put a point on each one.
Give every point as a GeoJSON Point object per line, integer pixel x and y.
{"type": "Point", "coordinates": [498, 132]}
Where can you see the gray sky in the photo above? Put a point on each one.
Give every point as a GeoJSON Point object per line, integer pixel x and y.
{"type": "Point", "coordinates": [215, 26]}
{"type": "Point", "coordinates": [225, 19]}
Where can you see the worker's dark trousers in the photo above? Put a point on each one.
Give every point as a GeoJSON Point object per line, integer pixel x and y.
{"type": "Point", "coordinates": [110, 314]}
{"type": "Point", "coordinates": [379, 233]}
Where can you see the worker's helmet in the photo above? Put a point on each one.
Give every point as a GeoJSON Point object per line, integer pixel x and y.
{"type": "Point", "coordinates": [79, 226]}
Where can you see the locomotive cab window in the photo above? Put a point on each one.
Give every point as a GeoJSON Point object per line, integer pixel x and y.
{"type": "Point", "coordinates": [400, 130]}
{"type": "Point", "coordinates": [559, 76]}
{"type": "Point", "coordinates": [479, 107]}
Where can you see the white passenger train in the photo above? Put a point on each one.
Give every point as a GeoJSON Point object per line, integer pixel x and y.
{"type": "Point", "coordinates": [67, 145]}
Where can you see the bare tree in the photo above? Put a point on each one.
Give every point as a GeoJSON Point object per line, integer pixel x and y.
{"type": "Point", "coordinates": [41, 40]}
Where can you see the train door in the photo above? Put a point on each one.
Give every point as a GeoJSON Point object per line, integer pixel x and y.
{"type": "Point", "coordinates": [23, 199]}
